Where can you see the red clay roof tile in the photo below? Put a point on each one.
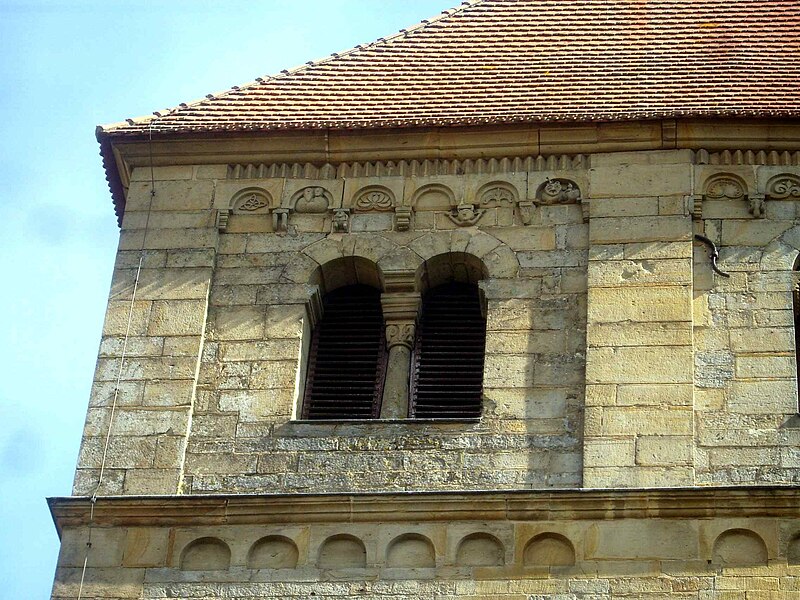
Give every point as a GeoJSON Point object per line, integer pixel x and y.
{"type": "Point", "coordinates": [512, 61]}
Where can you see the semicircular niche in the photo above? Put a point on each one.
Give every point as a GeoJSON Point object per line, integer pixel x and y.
{"type": "Point", "coordinates": [411, 551]}
{"type": "Point", "coordinates": [273, 552]}
{"type": "Point", "coordinates": [206, 554]}
{"type": "Point", "coordinates": [342, 552]}
{"type": "Point", "coordinates": [480, 550]}
{"type": "Point", "coordinates": [549, 550]}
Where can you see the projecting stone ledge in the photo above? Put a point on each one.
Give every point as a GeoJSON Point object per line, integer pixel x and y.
{"type": "Point", "coordinates": [490, 542]}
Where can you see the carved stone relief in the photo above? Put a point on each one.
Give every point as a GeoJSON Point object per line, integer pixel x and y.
{"type": "Point", "coordinates": [784, 187]}
{"type": "Point", "coordinates": [725, 187]}
{"type": "Point", "coordinates": [252, 202]}
{"type": "Point", "coordinates": [400, 334]}
{"type": "Point", "coordinates": [341, 220]}
{"type": "Point", "coordinates": [374, 199]}
{"type": "Point", "coordinates": [558, 191]}
{"type": "Point", "coordinates": [465, 214]}
{"type": "Point", "coordinates": [497, 194]}
{"type": "Point", "coordinates": [311, 200]}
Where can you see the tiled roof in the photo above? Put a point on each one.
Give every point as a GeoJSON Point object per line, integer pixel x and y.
{"type": "Point", "coordinates": [512, 61]}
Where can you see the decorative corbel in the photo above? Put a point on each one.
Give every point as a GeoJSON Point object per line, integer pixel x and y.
{"type": "Point", "coordinates": [402, 218]}
{"type": "Point", "coordinates": [341, 220]}
{"type": "Point", "coordinates": [757, 206]}
{"type": "Point", "coordinates": [526, 211]}
{"type": "Point", "coordinates": [585, 209]}
{"type": "Point", "coordinates": [223, 214]}
{"type": "Point", "coordinates": [465, 214]}
{"type": "Point", "coordinates": [693, 207]}
{"type": "Point", "coordinates": [280, 220]}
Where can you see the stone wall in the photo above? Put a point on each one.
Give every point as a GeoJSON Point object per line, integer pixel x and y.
{"type": "Point", "coordinates": [615, 356]}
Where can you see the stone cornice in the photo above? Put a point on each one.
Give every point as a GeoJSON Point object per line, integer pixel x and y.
{"type": "Point", "coordinates": [512, 505]}
{"type": "Point", "coordinates": [334, 147]}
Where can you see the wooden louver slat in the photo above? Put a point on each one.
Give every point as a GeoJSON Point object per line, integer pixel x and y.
{"type": "Point", "coordinates": [347, 357]}
{"type": "Point", "coordinates": [447, 367]}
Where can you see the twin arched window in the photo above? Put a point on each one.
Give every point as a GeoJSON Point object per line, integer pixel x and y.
{"type": "Point", "coordinates": [347, 359]}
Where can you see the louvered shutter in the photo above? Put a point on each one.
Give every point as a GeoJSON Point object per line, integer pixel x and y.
{"type": "Point", "coordinates": [447, 366]}
{"type": "Point", "coordinates": [347, 358]}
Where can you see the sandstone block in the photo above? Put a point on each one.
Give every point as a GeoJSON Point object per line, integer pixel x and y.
{"type": "Point", "coordinates": [638, 272]}
{"type": "Point", "coordinates": [640, 304]}
{"type": "Point", "coordinates": [647, 421]}
{"type": "Point", "coordinates": [664, 450]}
{"type": "Point", "coordinates": [646, 364]}
{"type": "Point", "coordinates": [608, 452]}
{"type": "Point", "coordinates": [177, 317]}
{"type": "Point", "coordinates": [639, 334]}
{"type": "Point", "coordinates": [618, 230]}
{"type": "Point", "coordinates": [623, 207]}
{"type": "Point", "coordinates": [655, 395]}
{"type": "Point", "coordinates": [643, 539]}
{"type": "Point", "coordinates": [636, 180]}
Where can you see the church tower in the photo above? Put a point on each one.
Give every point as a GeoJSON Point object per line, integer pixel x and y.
{"type": "Point", "coordinates": [500, 307]}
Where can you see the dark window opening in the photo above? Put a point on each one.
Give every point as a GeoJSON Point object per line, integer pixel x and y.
{"type": "Point", "coordinates": [347, 357]}
{"type": "Point", "coordinates": [447, 365]}
{"type": "Point", "coordinates": [796, 308]}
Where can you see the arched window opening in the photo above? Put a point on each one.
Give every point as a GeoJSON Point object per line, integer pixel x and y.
{"type": "Point", "coordinates": [347, 357]}
{"type": "Point", "coordinates": [447, 365]}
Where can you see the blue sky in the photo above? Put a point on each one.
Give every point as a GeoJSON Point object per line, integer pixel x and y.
{"type": "Point", "coordinates": [66, 66]}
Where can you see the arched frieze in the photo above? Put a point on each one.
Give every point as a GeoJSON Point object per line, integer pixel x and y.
{"type": "Point", "coordinates": [724, 186]}
{"type": "Point", "coordinates": [250, 201]}
{"type": "Point", "coordinates": [480, 550]}
{"type": "Point", "coordinates": [411, 551]}
{"type": "Point", "coordinates": [739, 547]}
{"type": "Point", "coordinates": [342, 551]}
{"type": "Point", "coordinates": [273, 552]}
{"type": "Point", "coordinates": [374, 198]}
{"type": "Point", "coordinates": [433, 196]}
{"type": "Point", "coordinates": [497, 194]}
{"type": "Point", "coordinates": [549, 550]}
{"type": "Point", "coordinates": [785, 186]}
{"type": "Point", "coordinates": [206, 554]}
{"type": "Point", "coordinates": [312, 199]}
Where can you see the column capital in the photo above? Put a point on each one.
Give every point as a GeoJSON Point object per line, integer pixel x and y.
{"type": "Point", "coordinates": [400, 334]}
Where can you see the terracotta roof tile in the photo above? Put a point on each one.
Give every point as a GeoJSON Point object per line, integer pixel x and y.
{"type": "Point", "coordinates": [511, 61]}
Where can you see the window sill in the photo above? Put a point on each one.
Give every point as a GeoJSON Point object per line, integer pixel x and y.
{"type": "Point", "coordinates": [470, 420]}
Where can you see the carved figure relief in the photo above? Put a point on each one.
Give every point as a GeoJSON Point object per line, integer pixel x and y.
{"type": "Point", "coordinates": [725, 187]}
{"type": "Point", "coordinates": [784, 187]}
{"type": "Point", "coordinates": [312, 199]}
{"type": "Point", "coordinates": [341, 220]}
{"type": "Point", "coordinates": [755, 204]}
{"type": "Point", "coordinates": [558, 191]}
{"type": "Point", "coordinates": [465, 214]}
{"type": "Point", "coordinates": [378, 199]}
